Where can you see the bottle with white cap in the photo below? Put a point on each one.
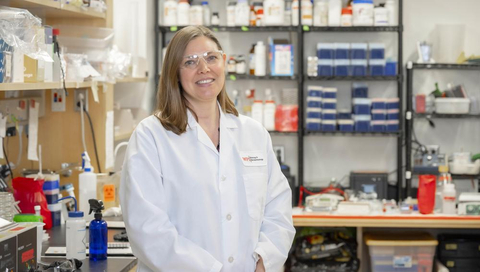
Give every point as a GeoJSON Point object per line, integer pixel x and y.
{"type": "Point", "coordinates": [75, 233]}
{"type": "Point", "coordinates": [449, 196]}
{"type": "Point", "coordinates": [257, 111]}
{"type": "Point", "coordinates": [87, 183]}
{"type": "Point", "coordinates": [260, 59]}
{"type": "Point", "coordinates": [269, 111]}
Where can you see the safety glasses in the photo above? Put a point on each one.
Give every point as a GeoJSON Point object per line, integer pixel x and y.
{"type": "Point", "coordinates": [211, 58]}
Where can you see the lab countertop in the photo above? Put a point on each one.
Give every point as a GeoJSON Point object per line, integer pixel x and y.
{"type": "Point", "coordinates": [111, 264]}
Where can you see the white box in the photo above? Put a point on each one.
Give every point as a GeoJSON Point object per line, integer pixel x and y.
{"type": "Point", "coordinates": [18, 66]}
{"type": "Point", "coordinates": [452, 105]}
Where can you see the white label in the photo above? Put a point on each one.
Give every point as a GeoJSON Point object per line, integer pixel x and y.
{"type": "Point", "coordinates": [282, 61]}
{"type": "Point", "coordinates": [253, 158]}
{"type": "Point", "coordinates": [402, 261]}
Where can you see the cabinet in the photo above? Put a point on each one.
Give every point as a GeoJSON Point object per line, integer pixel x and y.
{"type": "Point", "coordinates": [300, 33]}
{"type": "Point", "coordinates": [410, 114]}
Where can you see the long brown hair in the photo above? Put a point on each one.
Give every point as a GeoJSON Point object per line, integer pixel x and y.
{"type": "Point", "coordinates": [172, 105]}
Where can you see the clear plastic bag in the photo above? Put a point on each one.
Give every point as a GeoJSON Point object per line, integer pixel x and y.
{"type": "Point", "coordinates": [119, 63]}
{"type": "Point", "coordinates": [21, 30]}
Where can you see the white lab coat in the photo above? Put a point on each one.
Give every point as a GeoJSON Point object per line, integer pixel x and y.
{"type": "Point", "coordinates": [188, 207]}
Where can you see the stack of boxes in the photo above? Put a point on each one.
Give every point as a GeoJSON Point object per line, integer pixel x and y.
{"type": "Point", "coordinates": [356, 59]}
{"type": "Point", "coordinates": [51, 189]}
{"type": "Point", "coordinates": [369, 115]}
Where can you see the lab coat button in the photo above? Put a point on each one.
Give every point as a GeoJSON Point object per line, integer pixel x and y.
{"type": "Point", "coordinates": [229, 217]}
{"type": "Point", "coordinates": [230, 260]}
{"type": "Point", "coordinates": [224, 178]}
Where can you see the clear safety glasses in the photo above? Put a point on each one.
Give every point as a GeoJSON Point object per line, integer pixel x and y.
{"type": "Point", "coordinates": [210, 58]}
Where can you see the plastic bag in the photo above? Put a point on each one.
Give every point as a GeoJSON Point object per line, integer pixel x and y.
{"type": "Point", "coordinates": [119, 63]}
{"type": "Point", "coordinates": [30, 193]}
{"type": "Point", "coordinates": [21, 30]}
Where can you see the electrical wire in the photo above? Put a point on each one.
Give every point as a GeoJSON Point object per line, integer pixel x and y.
{"type": "Point", "coordinates": [6, 158]}
{"type": "Point", "coordinates": [94, 141]}
{"type": "Point", "coordinates": [82, 122]}
{"type": "Point", "coordinates": [20, 145]}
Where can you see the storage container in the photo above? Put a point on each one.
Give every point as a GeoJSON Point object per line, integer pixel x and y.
{"type": "Point", "coordinates": [379, 103]}
{"type": "Point", "coordinates": [362, 123]}
{"type": "Point", "coordinates": [342, 51]}
{"type": "Point", "coordinates": [329, 104]}
{"type": "Point", "coordinates": [325, 67]}
{"type": "Point", "coordinates": [392, 103]}
{"type": "Point", "coordinates": [391, 68]}
{"type": "Point", "coordinates": [361, 106]}
{"type": "Point", "coordinates": [344, 114]}
{"type": "Point", "coordinates": [377, 67]}
{"type": "Point", "coordinates": [452, 105]}
{"type": "Point", "coordinates": [359, 90]}
{"type": "Point", "coordinates": [377, 51]}
{"type": "Point", "coordinates": [329, 115]}
{"type": "Point", "coordinates": [329, 93]}
{"type": "Point", "coordinates": [359, 51]}
{"type": "Point", "coordinates": [405, 252]}
{"type": "Point", "coordinates": [379, 115]}
{"type": "Point", "coordinates": [342, 67]}
{"type": "Point", "coordinates": [359, 67]}
{"type": "Point", "coordinates": [377, 126]}
{"type": "Point", "coordinates": [393, 125]}
{"type": "Point", "coordinates": [314, 124]}
{"type": "Point", "coordinates": [345, 125]}
{"type": "Point", "coordinates": [314, 113]}
{"type": "Point", "coordinates": [315, 91]}
{"type": "Point", "coordinates": [314, 102]}
{"type": "Point", "coordinates": [325, 50]}
{"type": "Point", "coordinates": [329, 125]}
{"type": "Point", "coordinates": [393, 114]}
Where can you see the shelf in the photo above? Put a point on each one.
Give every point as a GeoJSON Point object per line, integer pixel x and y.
{"type": "Point", "coordinates": [53, 9]}
{"type": "Point", "coordinates": [434, 171]}
{"type": "Point", "coordinates": [446, 66]}
{"type": "Point", "coordinates": [131, 80]}
{"type": "Point", "coordinates": [167, 29]}
{"type": "Point", "coordinates": [252, 77]}
{"type": "Point", "coordinates": [352, 29]}
{"type": "Point", "coordinates": [42, 86]}
{"type": "Point", "coordinates": [281, 133]}
{"type": "Point", "coordinates": [386, 221]}
{"type": "Point", "coordinates": [352, 78]}
{"type": "Point", "coordinates": [354, 134]}
{"type": "Point", "coordinates": [447, 116]}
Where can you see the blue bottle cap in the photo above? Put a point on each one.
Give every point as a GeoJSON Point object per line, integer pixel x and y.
{"type": "Point", "coordinates": [204, 2]}
{"type": "Point", "coordinates": [75, 214]}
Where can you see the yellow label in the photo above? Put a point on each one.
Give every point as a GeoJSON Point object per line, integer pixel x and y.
{"type": "Point", "coordinates": [450, 264]}
{"type": "Point", "coordinates": [109, 192]}
{"type": "Point", "coordinates": [451, 247]}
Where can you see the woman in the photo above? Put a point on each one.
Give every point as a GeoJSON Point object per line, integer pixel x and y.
{"type": "Point", "coordinates": [201, 188]}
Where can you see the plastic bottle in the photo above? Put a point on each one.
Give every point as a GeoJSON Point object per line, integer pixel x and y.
{"type": "Point", "coordinates": [269, 111]}
{"type": "Point", "coordinates": [380, 16]}
{"type": "Point", "coordinates": [260, 59]}
{"type": "Point", "coordinates": [257, 111]}
{"type": "Point", "coordinates": [287, 18]}
{"type": "Point", "coordinates": [247, 106]}
{"type": "Point", "coordinates": [251, 60]}
{"type": "Point", "coordinates": [307, 12]}
{"type": "Point", "coordinates": [346, 19]}
{"type": "Point", "coordinates": [242, 13]}
{"type": "Point", "coordinates": [98, 230]}
{"type": "Point", "coordinates": [274, 12]}
{"type": "Point", "coordinates": [363, 12]}
{"type": "Point", "coordinates": [87, 182]}
{"type": "Point", "coordinates": [170, 13]}
{"type": "Point", "coordinates": [215, 19]}
{"type": "Point", "coordinates": [295, 13]}
{"type": "Point", "coordinates": [258, 8]}
{"type": "Point", "coordinates": [183, 9]}
{"type": "Point", "coordinates": [334, 12]}
{"type": "Point", "coordinates": [196, 15]}
{"type": "Point", "coordinates": [252, 16]}
{"type": "Point", "coordinates": [206, 13]}
{"type": "Point", "coordinates": [449, 195]}
{"type": "Point", "coordinates": [241, 65]}
{"type": "Point", "coordinates": [320, 13]}
{"type": "Point", "coordinates": [231, 13]}
{"type": "Point", "coordinates": [75, 233]}
{"type": "Point", "coordinates": [391, 7]}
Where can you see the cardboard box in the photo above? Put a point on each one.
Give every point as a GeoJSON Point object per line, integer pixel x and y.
{"type": "Point", "coordinates": [281, 58]}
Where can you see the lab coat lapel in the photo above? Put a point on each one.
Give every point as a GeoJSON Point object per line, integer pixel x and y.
{"type": "Point", "coordinates": [227, 143]}
{"type": "Point", "coordinates": [201, 134]}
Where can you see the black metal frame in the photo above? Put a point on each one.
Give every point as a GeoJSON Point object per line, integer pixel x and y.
{"type": "Point", "coordinates": [301, 78]}
{"type": "Point", "coordinates": [410, 115]}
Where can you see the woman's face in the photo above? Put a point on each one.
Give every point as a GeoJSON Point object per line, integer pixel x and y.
{"type": "Point", "coordinates": [202, 71]}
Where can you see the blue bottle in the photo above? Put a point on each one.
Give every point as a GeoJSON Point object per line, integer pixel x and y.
{"type": "Point", "coordinates": [98, 232]}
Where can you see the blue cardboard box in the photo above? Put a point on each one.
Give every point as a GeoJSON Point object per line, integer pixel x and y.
{"type": "Point", "coordinates": [281, 58]}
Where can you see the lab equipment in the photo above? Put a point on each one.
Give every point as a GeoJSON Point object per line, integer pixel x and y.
{"type": "Point", "coordinates": [370, 183]}
{"type": "Point", "coordinates": [469, 204]}
{"type": "Point", "coordinates": [87, 183]}
{"type": "Point", "coordinates": [322, 202]}
{"type": "Point", "coordinates": [75, 233]}
{"type": "Point", "coordinates": [449, 197]}
{"type": "Point", "coordinates": [98, 232]}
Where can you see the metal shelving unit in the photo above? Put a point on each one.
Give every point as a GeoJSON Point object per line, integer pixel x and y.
{"type": "Point", "coordinates": [410, 115]}
{"type": "Point", "coordinates": [301, 31]}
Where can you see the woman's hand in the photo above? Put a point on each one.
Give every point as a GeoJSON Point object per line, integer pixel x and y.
{"type": "Point", "coordinates": [260, 266]}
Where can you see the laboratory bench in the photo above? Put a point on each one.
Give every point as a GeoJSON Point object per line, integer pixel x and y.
{"type": "Point", "coordinates": [111, 264]}
{"type": "Point", "coordinates": [397, 222]}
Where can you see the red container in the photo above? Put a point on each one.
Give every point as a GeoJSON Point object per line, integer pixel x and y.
{"type": "Point", "coordinates": [426, 193]}
{"type": "Point", "coordinates": [30, 193]}
{"type": "Point", "coordinates": [420, 103]}
{"type": "Point", "coordinates": [286, 118]}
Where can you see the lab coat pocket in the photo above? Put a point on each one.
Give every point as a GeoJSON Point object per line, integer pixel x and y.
{"type": "Point", "coordinates": [256, 190]}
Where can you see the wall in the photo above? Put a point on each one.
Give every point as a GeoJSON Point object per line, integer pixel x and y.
{"type": "Point", "coordinates": [326, 156]}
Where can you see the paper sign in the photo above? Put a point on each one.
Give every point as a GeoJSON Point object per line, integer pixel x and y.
{"type": "Point", "coordinates": [3, 125]}
{"type": "Point", "coordinates": [33, 130]}
{"type": "Point", "coordinates": [95, 91]}
{"type": "Point", "coordinates": [109, 141]}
